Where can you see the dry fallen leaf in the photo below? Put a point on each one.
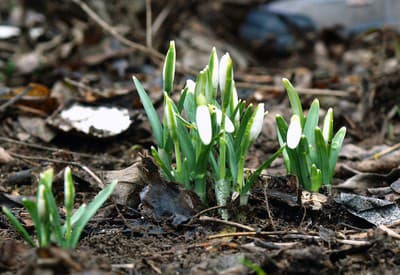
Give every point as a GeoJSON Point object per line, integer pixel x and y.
{"type": "Point", "coordinates": [5, 156]}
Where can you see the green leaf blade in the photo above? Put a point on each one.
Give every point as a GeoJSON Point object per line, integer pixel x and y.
{"type": "Point", "coordinates": [151, 112]}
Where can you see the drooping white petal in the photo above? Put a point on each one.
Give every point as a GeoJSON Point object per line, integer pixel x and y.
{"type": "Point", "coordinates": [223, 68]}
{"type": "Point", "coordinates": [190, 84]}
{"type": "Point", "coordinates": [41, 203]}
{"type": "Point", "coordinates": [234, 102]}
{"type": "Point", "coordinates": [257, 122]}
{"type": "Point", "coordinates": [229, 127]}
{"type": "Point", "coordinates": [203, 121]}
{"type": "Point", "coordinates": [215, 71]}
{"type": "Point", "coordinates": [294, 132]}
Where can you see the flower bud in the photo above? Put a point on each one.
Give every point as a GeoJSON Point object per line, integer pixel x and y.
{"type": "Point", "coordinates": [203, 121]}
{"type": "Point", "coordinates": [294, 132]}
{"type": "Point", "coordinates": [229, 127]}
{"type": "Point", "coordinates": [257, 122]}
{"type": "Point", "coordinates": [69, 190]}
{"type": "Point", "coordinates": [41, 202]}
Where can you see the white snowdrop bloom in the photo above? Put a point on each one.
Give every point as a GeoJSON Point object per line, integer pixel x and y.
{"type": "Point", "coordinates": [294, 132]}
{"type": "Point", "coordinates": [190, 84]}
{"type": "Point", "coordinates": [203, 121]}
{"type": "Point", "coordinates": [223, 69]}
{"type": "Point", "coordinates": [229, 127]}
{"type": "Point", "coordinates": [68, 188]}
{"type": "Point", "coordinates": [215, 68]}
{"type": "Point", "coordinates": [257, 122]}
{"type": "Point", "coordinates": [41, 203]}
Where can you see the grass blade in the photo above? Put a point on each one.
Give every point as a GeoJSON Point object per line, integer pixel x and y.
{"type": "Point", "coordinates": [18, 226]}
{"type": "Point", "coordinates": [90, 211]}
{"type": "Point", "coordinates": [336, 146]}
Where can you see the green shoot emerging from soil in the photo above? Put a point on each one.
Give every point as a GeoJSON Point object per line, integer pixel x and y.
{"type": "Point", "coordinates": [45, 216]}
{"type": "Point", "coordinates": [311, 153]}
{"type": "Point", "coordinates": [205, 136]}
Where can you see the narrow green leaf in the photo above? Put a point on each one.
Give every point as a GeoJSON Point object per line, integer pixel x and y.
{"type": "Point", "coordinates": [91, 210]}
{"type": "Point", "coordinates": [182, 99]}
{"type": "Point", "coordinates": [312, 122]}
{"type": "Point", "coordinates": [304, 164]}
{"type": "Point", "coordinates": [169, 69]}
{"type": "Point", "coordinates": [336, 146]}
{"type": "Point", "coordinates": [316, 179]}
{"type": "Point", "coordinates": [164, 167]}
{"type": "Point", "coordinates": [232, 158]}
{"type": "Point", "coordinates": [31, 207]}
{"type": "Point", "coordinates": [18, 226]}
{"type": "Point", "coordinates": [282, 127]}
{"type": "Point", "coordinates": [186, 144]}
{"type": "Point", "coordinates": [294, 99]}
{"type": "Point", "coordinates": [55, 216]}
{"type": "Point", "coordinates": [151, 112]}
{"type": "Point", "coordinates": [323, 158]}
{"type": "Point", "coordinates": [240, 133]}
{"type": "Point", "coordinates": [249, 183]}
{"type": "Point", "coordinates": [189, 106]}
{"type": "Point", "coordinates": [327, 127]}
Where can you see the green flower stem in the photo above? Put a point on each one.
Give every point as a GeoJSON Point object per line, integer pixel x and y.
{"type": "Point", "coordinates": [200, 188]}
{"type": "Point", "coordinates": [178, 161]}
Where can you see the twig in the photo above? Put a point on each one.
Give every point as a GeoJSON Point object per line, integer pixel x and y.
{"type": "Point", "coordinates": [251, 233]}
{"type": "Point", "coordinates": [271, 220]}
{"type": "Point", "coordinates": [114, 32]}
{"type": "Point", "coordinates": [211, 219]}
{"type": "Point", "coordinates": [128, 266]}
{"type": "Point", "coordinates": [279, 90]}
{"type": "Point", "coordinates": [73, 163]}
{"type": "Point", "coordinates": [204, 211]}
{"type": "Point", "coordinates": [161, 18]}
{"type": "Point", "coordinates": [15, 99]}
{"type": "Point", "coordinates": [389, 231]}
{"type": "Point", "coordinates": [149, 33]}
{"type": "Point", "coordinates": [387, 151]}
{"type": "Point", "coordinates": [46, 148]}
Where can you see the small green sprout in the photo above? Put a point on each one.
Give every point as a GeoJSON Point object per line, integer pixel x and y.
{"type": "Point", "coordinates": [206, 135]}
{"type": "Point", "coordinates": [311, 153]}
{"type": "Point", "coordinates": [45, 216]}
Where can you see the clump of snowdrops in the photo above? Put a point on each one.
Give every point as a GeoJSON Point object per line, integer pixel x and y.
{"type": "Point", "coordinates": [310, 153]}
{"type": "Point", "coordinates": [205, 136]}
{"type": "Point", "coordinates": [46, 218]}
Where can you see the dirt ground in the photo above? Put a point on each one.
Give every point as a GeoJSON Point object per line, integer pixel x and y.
{"type": "Point", "coordinates": [283, 230]}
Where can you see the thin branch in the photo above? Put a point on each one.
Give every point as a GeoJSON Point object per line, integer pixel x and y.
{"type": "Point", "coordinates": [15, 99]}
{"type": "Point", "coordinates": [242, 226]}
{"type": "Point", "coordinates": [149, 33]}
{"type": "Point", "coordinates": [114, 32]}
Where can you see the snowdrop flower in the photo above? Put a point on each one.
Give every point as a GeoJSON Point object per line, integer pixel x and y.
{"type": "Point", "coordinates": [69, 192]}
{"type": "Point", "coordinates": [203, 121]}
{"type": "Point", "coordinates": [190, 84]}
{"type": "Point", "coordinates": [234, 102]}
{"type": "Point", "coordinates": [229, 128]}
{"type": "Point", "coordinates": [294, 132]}
{"type": "Point", "coordinates": [41, 202]}
{"type": "Point", "coordinates": [214, 65]}
{"type": "Point", "coordinates": [257, 122]}
{"type": "Point", "coordinates": [224, 66]}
